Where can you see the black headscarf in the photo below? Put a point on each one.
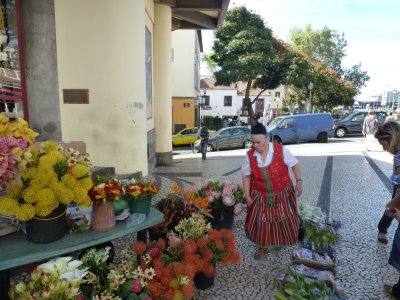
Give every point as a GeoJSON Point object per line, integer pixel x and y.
{"type": "Point", "coordinates": [258, 129]}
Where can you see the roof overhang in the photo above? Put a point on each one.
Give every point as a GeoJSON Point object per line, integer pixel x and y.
{"type": "Point", "coordinates": [197, 14]}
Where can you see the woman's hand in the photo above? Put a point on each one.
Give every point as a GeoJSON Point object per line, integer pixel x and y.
{"type": "Point", "coordinates": [248, 200]}
{"type": "Point", "coordinates": [397, 214]}
{"type": "Point", "coordinates": [299, 188]}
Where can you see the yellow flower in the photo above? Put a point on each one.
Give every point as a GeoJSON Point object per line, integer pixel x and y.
{"type": "Point", "coordinates": [69, 181]}
{"type": "Point", "coordinates": [29, 195]}
{"type": "Point", "coordinates": [26, 212]}
{"type": "Point", "coordinates": [46, 197]}
{"type": "Point", "coordinates": [49, 146]}
{"type": "Point", "coordinates": [86, 183]}
{"type": "Point", "coordinates": [79, 171]}
{"type": "Point", "coordinates": [14, 191]}
{"type": "Point", "coordinates": [45, 210]}
{"type": "Point", "coordinates": [23, 131]}
{"type": "Point", "coordinates": [8, 206]}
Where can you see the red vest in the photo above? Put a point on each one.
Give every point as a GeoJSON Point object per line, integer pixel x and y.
{"type": "Point", "coordinates": [272, 179]}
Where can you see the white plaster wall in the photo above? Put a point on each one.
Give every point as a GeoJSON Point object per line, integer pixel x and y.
{"type": "Point", "coordinates": [100, 47]}
{"type": "Point", "coordinates": [183, 64]}
{"type": "Point", "coordinates": [217, 103]}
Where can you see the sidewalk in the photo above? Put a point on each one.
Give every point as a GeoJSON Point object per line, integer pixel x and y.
{"type": "Point", "coordinates": [340, 178]}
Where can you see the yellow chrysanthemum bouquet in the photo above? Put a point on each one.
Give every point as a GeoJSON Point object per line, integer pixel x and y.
{"type": "Point", "coordinates": [53, 177]}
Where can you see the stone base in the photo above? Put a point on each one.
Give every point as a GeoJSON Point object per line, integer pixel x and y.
{"type": "Point", "coordinates": [164, 159]}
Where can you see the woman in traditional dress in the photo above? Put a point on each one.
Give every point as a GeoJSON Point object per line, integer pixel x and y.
{"type": "Point", "coordinates": [272, 216]}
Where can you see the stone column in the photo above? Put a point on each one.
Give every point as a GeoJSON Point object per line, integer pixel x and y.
{"type": "Point", "coordinates": [162, 83]}
{"type": "Point", "coordinates": [40, 63]}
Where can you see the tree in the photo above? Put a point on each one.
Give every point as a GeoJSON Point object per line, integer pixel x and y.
{"type": "Point", "coordinates": [325, 46]}
{"type": "Point", "coordinates": [333, 84]}
{"type": "Point", "coordinates": [245, 50]}
{"type": "Point", "coordinates": [211, 65]}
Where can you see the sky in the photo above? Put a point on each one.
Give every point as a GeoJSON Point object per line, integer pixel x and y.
{"type": "Point", "coordinates": [371, 29]}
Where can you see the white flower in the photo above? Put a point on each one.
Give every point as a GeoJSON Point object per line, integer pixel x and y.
{"type": "Point", "coordinates": [228, 201]}
{"type": "Point", "coordinates": [238, 208]}
{"type": "Point", "coordinates": [149, 273]}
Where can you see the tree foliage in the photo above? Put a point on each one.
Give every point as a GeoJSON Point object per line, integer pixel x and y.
{"type": "Point", "coordinates": [245, 50]}
{"type": "Point", "coordinates": [333, 84]}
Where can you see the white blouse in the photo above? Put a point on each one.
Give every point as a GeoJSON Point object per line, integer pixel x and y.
{"type": "Point", "coordinates": [288, 159]}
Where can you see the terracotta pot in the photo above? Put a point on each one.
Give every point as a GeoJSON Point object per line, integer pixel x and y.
{"type": "Point", "coordinates": [103, 218]}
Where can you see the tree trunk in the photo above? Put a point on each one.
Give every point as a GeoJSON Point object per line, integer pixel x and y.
{"type": "Point", "coordinates": [252, 120]}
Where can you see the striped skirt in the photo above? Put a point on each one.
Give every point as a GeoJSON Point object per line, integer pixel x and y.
{"type": "Point", "coordinates": [273, 221]}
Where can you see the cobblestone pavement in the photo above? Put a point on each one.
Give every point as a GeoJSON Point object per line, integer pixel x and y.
{"type": "Point", "coordinates": [348, 183]}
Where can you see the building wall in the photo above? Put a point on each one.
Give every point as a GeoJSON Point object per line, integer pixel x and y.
{"type": "Point", "coordinates": [183, 113]}
{"type": "Point", "coordinates": [101, 47]}
{"type": "Point", "coordinates": [217, 103]}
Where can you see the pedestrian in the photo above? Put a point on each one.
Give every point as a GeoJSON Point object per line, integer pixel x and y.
{"type": "Point", "coordinates": [272, 218]}
{"type": "Point", "coordinates": [370, 126]}
{"type": "Point", "coordinates": [203, 135]}
{"type": "Point", "coordinates": [388, 136]}
{"type": "Point", "coordinates": [390, 118]}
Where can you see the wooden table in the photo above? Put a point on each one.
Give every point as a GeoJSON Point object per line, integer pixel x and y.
{"type": "Point", "coordinates": [16, 250]}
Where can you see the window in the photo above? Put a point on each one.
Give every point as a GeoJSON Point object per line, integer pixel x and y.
{"type": "Point", "coordinates": [227, 100]}
{"type": "Point", "coordinates": [288, 123]}
{"type": "Point", "coordinates": [358, 118]}
{"type": "Point", "coordinates": [186, 104]}
{"type": "Point", "coordinates": [238, 131]}
{"type": "Point", "coordinates": [259, 106]}
{"type": "Point", "coordinates": [277, 94]}
{"type": "Point", "coordinates": [225, 133]}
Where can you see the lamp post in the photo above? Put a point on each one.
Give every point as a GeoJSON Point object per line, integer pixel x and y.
{"type": "Point", "coordinates": [202, 99]}
{"type": "Point", "coordinates": [309, 106]}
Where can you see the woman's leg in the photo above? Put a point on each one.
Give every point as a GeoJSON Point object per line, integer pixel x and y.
{"type": "Point", "coordinates": [396, 290]}
{"type": "Point", "coordinates": [384, 224]}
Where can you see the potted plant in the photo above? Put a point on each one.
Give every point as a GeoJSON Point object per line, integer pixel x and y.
{"type": "Point", "coordinates": [104, 192]}
{"type": "Point", "coordinates": [222, 198]}
{"type": "Point", "coordinates": [175, 208]}
{"type": "Point", "coordinates": [139, 193]}
{"type": "Point", "coordinates": [50, 182]}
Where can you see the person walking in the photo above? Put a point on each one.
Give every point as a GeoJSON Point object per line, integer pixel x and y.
{"type": "Point", "coordinates": [388, 136]}
{"type": "Point", "coordinates": [272, 217]}
{"type": "Point", "coordinates": [369, 128]}
{"type": "Point", "coordinates": [203, 135]}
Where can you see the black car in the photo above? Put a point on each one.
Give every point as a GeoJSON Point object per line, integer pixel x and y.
{"type": "Point", "coordinates": [228, 138]}
{"type": "Point", "coordinates": [353, 122]}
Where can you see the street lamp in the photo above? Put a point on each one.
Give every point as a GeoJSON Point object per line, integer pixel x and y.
{"type": "Point", "coordinates": [201, 101]}
{"type": "Point", "coordinates": [309, 106]}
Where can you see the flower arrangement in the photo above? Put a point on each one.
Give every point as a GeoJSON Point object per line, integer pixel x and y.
{"type": "Point", "coordinates": [57, 279]}
{"type": "Point", "coordinates": [15, 139]}
{"type": "Point", "coordinates": [138, 188]}
{"type": "Point", "coordinates": [218, 195]}
{"type": "Point", "coordinates": [51, 179]}
{"type": "Point", "coordinates": [106, 190]}
{"type": "Point", "coordinates": [175, 208]}
{"type": "Point", "coordinates": [209, 245]}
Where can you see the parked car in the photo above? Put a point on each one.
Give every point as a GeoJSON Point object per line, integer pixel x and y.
{"type": "Point", "coordinates": [353, 122]}
{"type": "Point", "coordinates": [301, 128]}
{"type": "Point", "coordinates": [228, 138]}
{"type": "Point", "coordinates": [187, 136]}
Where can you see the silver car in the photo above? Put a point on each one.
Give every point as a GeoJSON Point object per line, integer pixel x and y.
{"type": "Point", "coordinates": [228, 138]}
